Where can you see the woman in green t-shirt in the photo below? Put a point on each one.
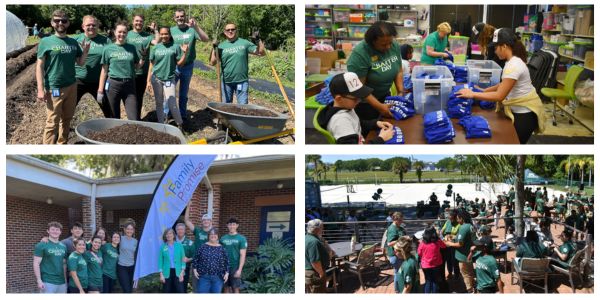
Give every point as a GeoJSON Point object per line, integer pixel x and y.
{"type": "Point", "coordinates": [436, 44]}
{"type": "Point", "coordinates": [78, 270]}
{"type": "Point", "coordinates": [119, 62]}
{"type": "Point", "coordinates": [378, 63]}
{"type": "Point", "coordinates": [93, 258]}
{"type": "Point", "coordinates": [110, 255]}
{"type": "Point", "coordinates": [161, 74]}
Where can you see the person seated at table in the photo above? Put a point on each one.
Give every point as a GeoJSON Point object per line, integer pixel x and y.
{"type": "Point", "coordinates": [408, 274]}
{"type": "Point", "coordinates": [531, 247]}
{"type": "Point", "coordinates": [510, 235]}
{"type": "Point", "coordinates": [561, 255]}
{"type": "Point", "coordinates": [378, 63]}
{"type": "Point", "coordinates": [340, 119]}
{"type": "Point", "coordinates": [515, 90]}
{"type": "Point", "coordinates": [486, 268]}
{"type": "Point", "coordinates": [432, 264]}
{"type": "Point", "coordinates": [406, 51]}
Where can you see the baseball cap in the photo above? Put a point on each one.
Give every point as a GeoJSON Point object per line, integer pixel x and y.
{"type": "Point", "coordinates": [206, 217]}
{"type": "Point", "coordinates": [348, 84]}
{"type": "Point", "coordinates": [504, 36]}
{"type": "Point", "coordinates": [484, 241]}
{"type": "Point", "coordinates": [485, 228]}
{"type": "Point", "coordinates": [477, 29]}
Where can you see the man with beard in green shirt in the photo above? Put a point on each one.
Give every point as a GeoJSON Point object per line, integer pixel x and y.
{"type": "Point", "coordinates": [186, 32]}
{"type": "Point", "coordinates": [141, 40]}
{"type": "Point", "coordinates": [234, 64]}
{"type": "Point", "coordinates": [88, 75]}
{"type": "Point", "coordinates": [55, 77]}
{"type": "Point", "coordinates": [49, 262]}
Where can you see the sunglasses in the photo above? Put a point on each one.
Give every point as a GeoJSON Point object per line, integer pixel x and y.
{"type": "Point", "coordinates": [58, 21]}
{"type": "Point", "coordinates": [230, 30]}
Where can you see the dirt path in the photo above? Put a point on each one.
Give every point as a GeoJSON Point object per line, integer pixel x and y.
{"type": "Point", "coordinates": [26, 117]}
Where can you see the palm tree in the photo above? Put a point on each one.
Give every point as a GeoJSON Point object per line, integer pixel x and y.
{"type": "Point", "coordinates": [581, 163]}
{"type": "Point", "coordinates": [590, 163]}
{"type": "Point", "coordinates": [419, 166]}
{"type": "Point", "coordinates": [315, 158]}
{"type": "Point", "coordinates": [336, 168]}
{"type": "Point", "coordinates": [401, 166]}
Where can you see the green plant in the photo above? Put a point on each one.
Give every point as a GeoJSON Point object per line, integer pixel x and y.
{"type": "Point", "coordinates": [149, 284]}
{"type": "Point", "coordinates": [271, 270]}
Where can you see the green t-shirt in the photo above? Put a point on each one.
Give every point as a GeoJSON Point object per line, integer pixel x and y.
{"type": "Point", "coordinates": [164, 59]}
{"type": "Point", "coordinates": [379, 68]}
{"type": "Point", "coordinates": [186, 36]}
{"type": "Point", "coordinates": [78, 264]}
{"type": "Point", "coordinates": [110, 256]}
{"type": "Point", "coordinates": [60, 56]}
{"type": "Point", "coordinates": [466, 236]}
{"type": "Point", "coordinates": [486, 272]}
{"type": "Point", "coordinates": [52, 266]}
{"type": "Point", "coordinates": [569, 249]}
{"type": "Point", "coordinates": [233, 244]}
{"type": "Point", "coordinates": [408, 274]}
{"type": "Point", "coordinates": [234, 59]}
{"type": "Point", "coordinates": [511, 195]}
{"type": "Point", "coordinates": [531, 250]}
{"type": "Point", "coordinates": [90, 72]}
{"type": "Point", "coordinates": [200, 237]}
{"type": "Point", "coordinates": [141, 40]}
{"type": "Point", "coordinates": [393, 233]}
{"type": "Point", "coordinates": [527, 210]}
{"type": "Point", "coordinates": [539, 205]}
{"type": "Point", "coordinates": [315, 252]}
{"type": "Point", "coordinates": [439, 45]}
{"type": "Point", "coordinates": [188, 247]}
{"type": "Point", "coordinates": [94, 268]}
{"type": "Point", "coordinates": [121, 60]}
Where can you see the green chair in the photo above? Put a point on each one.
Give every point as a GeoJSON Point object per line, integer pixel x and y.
{"type": "Point", "coordinates": [321, 130]}
{"type": "Point", "coordinates": [568, 92]}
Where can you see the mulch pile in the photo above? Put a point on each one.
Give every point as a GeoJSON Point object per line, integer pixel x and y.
{"type": "Point", "coordinates": [132, 134]}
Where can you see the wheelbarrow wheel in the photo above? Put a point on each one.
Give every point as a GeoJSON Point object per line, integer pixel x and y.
{"type": "Point", "coordinates": [220, 137]}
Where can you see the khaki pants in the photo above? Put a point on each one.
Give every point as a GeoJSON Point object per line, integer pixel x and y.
{"type": "Point", "coordinates": [468, 274]}
{"type": "Point", "coordinates": [59, 112]}
{"type": "Point", "coordinates": [313, 283]}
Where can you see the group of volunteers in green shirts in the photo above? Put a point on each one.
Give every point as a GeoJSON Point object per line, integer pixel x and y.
{"type": "Point", "coordinates": [121, 71]}
{"type": "Point", "coordinates": [74, 265]}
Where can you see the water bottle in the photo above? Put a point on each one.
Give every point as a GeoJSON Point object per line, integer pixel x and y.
{"type": "Point", "coordinates": [352, 243]}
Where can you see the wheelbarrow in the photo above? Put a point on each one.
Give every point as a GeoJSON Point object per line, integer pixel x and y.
{"type": "Point", "coordinates": [83, 129]}
{"type": "Point", "coordinates": [249, 129]}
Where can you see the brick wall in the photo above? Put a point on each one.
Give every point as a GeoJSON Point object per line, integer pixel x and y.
{"type": "Point", "coordinates": [86, 210]}
{"type": "Point", "coordinates": [26, 224]}
{"type": "Point", "coordinates": [138, 215]}
{"type": "Point", "coordinates": [240, 205]}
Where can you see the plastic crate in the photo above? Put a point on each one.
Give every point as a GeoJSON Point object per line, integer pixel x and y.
{"type": "Point", "coordinates": [458, 48]}
{"type": "Point", "coordinates": [431, 94]}
{"type": "Point", "coordinates": [552, 46]}
{"type": "Point", "coordinates": [341, 14]}
{"type": "Point", "coordinates": [357, 31]}
{"type": "Point", "coordinates": [484, 73]}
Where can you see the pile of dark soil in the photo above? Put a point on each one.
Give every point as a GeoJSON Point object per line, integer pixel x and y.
{"type": "Point", "coordinates": [132, 134]}
{"type": "Point", "coordinates": [247, 111]}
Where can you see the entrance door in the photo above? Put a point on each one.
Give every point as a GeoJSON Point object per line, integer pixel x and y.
{"type": "Point", "coordinates": [277, 222]}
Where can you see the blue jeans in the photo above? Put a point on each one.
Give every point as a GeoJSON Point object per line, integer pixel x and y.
{"type": "Point", "coordinates": [432, 279]}
{"type": "Point", "coordinates": [396, 263]}
{"type": "Point", "coordinates": [184, 78]}
{"type": "Point", "coordinates": [239, 88]}
{"type": "Point", "coordinates": [212, 284]}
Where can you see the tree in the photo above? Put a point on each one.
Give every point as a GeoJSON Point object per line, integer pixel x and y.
{"type": "Point", "coordinates": [401, 166]}
{"type": "Point", "coordinates": [104, 166]}
{"type": "Point", "coordinates": [419, 166]}
{"type": "Point", "coordinates": [590, 162]}
{"type": "Point", "coordinates": [314, 158]}
{"type": "Point", "coordinates": [336, 168]}
{"type": "Point", "coordinates": [447, 164]}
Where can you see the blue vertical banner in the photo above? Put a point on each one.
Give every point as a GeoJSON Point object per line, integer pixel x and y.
{"type": "Point", "coordinates": [171, 195]}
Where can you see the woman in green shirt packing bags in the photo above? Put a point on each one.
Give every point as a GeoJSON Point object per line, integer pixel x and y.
{"type": "Point", "coordinates": [436, 44]}
{"type": "Point", "coordinates": [119, 62]}
{"type": "Point", "coordinates": [378, 63]}
{"type": "Point", "coordinates": [164, 58]}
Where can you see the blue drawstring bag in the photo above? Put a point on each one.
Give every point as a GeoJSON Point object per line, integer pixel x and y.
{"type": "Point", "coordinates": [407, 82]}
{"type": "Point", "coordinates": [324, 97]}
{"type": "Point", "coordinates": [398, 137]}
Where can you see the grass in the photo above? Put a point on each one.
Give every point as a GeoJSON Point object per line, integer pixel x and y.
{"type": "Point", "coordinates": [386, 176]}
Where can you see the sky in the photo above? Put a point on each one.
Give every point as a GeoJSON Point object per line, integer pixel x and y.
{"type": "Point", "coordinates": [426, 158]}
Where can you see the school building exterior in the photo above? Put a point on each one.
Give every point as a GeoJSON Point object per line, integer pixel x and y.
{"type": "Point", "coordinates": [258, 191]}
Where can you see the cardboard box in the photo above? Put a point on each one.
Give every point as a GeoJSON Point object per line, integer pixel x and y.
{"type": "Point", "coordinates": [589, 60]}
{"type": "Point", "coordinates": [583, 21]}
{"type": "Point", "coordinates": [327, 58]}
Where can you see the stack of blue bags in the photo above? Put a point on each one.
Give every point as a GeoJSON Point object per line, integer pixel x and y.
{"type": "Point", "coordinates": [438, 128]}
{"type": "Point", "coordinates": [459, 107]}
{"type": "Point", "coordinates": [428, 76]}
{"type": "Point", "coordinates": [407, 82]}
{"type": "Point", "coordinates": [402, 107]}
{"type": "Point", "coordinates": [324, 97]}
{"type": "Point", "coordinates": [476, 127]}
{"type": "Point", "coordinates": [398, 137]}
{"type": "Point", "coordinates": [445, 63]}
{"type": "Point", "coordinates": [460, 73]}
{"type": "Point", "coordinates": [487, 104]}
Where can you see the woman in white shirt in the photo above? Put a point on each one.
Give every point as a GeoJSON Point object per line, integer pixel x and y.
{"type": "Point", "coordinates": [515, 91]}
